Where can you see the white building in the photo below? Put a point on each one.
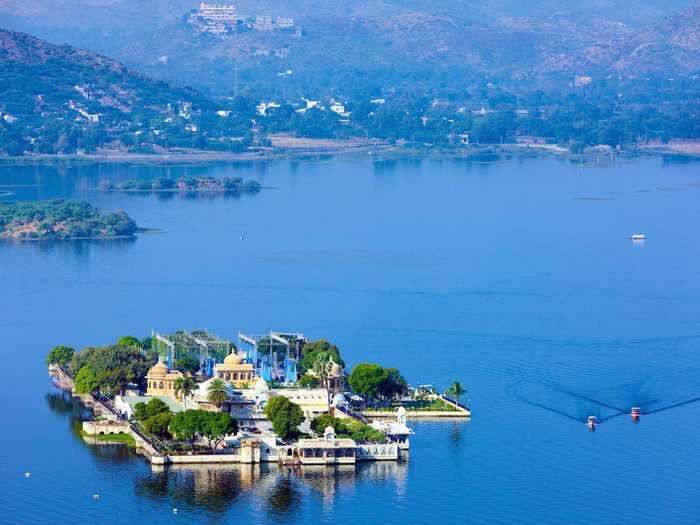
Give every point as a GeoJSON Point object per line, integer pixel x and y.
{"type": "Point", "coordinates": [263, 23]}
{"type": "Point", "coordinates": [264, 107]}
{"type": "Point", "coordinates": [337, 107]}
{"type": "Point", "coordinates": [284, 22]}
{"type": "Point", "coordinates": [397, 431]}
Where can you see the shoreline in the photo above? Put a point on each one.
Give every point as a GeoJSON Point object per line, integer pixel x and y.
{"type": "Point", "coordinates": [384, 151]}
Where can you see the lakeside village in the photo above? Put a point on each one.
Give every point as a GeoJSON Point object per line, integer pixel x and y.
{"type": "Point", "coordinates": [193, 398]}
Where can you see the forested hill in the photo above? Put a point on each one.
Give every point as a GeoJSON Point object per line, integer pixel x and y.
{"type": "Point", "coordinates": [56, 98]}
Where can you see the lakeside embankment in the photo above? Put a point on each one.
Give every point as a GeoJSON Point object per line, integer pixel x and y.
{"type": "Point", "coordinates": [303, 148]}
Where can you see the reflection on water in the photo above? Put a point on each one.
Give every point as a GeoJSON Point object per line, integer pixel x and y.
{"type": "Point", "coordinates": [215, 488]}
{"type": "Point", "coordinates": [211, 487]}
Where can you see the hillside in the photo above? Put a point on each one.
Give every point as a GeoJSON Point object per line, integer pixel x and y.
{"type": "Point", "coordinates": [59, 98]}
{"type": "Point", "coordinates": [669, 47]}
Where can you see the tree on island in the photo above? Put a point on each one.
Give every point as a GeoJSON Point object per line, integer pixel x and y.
{"type": "Point", "coordinates": [315, 350]}
{"type": "Point", "coordinates": [212, 426]}
{"type": "Point", "coordinates": [187, 364]}
{"type": "Point", "coordinates": [155, 406]}
{"type": "Point", "coordinates": [186, 425]}
{"type": "Point", "coordinates": [285, 417]}
{"type": "Point", "coordinates": [158, 425]}
{"type": "Point", "coordinates": [217, 392]}
{"type": "Point", "coordinates": [86, 381]}
{"type": "Point", "coordinates": [129, 340]}
{"type": "Point", "coordinates": [60, 355]}
{"type": "Point", "coordinates": [216, 426]}
{"type": "Point", "coordinates": [455, 391]}
{"type": "Point", "coordinates": [372, 381]}
{"type": "Point", "coordinates": [308, 381]}
{"type": "Point", "coordinates": [184, 386]}
{"type": "Point", "coordinates": [115, 366]}
{"type": "Point", "coordinates": [322, 367]}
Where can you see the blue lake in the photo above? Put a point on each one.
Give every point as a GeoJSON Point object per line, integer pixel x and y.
{"type": "Point", "coordinates": [517, 278]}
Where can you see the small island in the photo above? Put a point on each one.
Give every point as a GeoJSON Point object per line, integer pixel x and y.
{"type": "Point", "coordinates": [191, 397]}
{"type": "Point", "coordinates": [57, 219]}
{"type": "Point", "coordinates": [234, 185]}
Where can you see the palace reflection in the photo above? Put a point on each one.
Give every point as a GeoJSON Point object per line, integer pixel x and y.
{"type": "Point", "coordinates": [277, 490]}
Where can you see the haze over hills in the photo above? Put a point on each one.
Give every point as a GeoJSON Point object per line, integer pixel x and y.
{"type": "Point", "coordinates": [440, 74]}
{"type": "Point", "coordinates": [551, 39]}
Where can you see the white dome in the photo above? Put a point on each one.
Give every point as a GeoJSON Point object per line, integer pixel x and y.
{"type": "Point", "coordinates": [261, 385]}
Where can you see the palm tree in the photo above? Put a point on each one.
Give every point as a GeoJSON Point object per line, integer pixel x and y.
{"type": "Point", "coordinates": [322, 367]}
{"type": "Point", "coordinates": [184, 386]}
{"type": "Point", "coordinates": [455, 391]}
{"type": "Point", "coordinates": [217, 392]}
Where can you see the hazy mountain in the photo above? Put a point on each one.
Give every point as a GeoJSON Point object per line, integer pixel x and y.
{"type": "Point", "coordinates": [517, 39]}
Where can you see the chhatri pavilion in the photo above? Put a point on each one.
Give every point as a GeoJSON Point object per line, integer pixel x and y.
{"type": "Point", "coordinates": [160, 380]}
{"type": "Point", "coordinates": [235, 371]}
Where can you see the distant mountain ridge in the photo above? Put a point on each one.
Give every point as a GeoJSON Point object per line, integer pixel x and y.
{"type": "Point", "coordinates": [521, 39]}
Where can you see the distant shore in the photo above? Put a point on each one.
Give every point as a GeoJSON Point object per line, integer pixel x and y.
{"type": "Point", "coordinates": [300, 149]}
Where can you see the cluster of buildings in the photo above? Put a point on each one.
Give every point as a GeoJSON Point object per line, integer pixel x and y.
{"type": "Point", "coordinates": [248, 373]}
{"type": "Point", "coordinates": [265, 109]}
{"type": "Point", "coordinates": [223, 20]}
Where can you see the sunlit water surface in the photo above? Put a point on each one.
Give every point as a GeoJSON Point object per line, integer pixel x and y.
{"type": "Point", "coordinates": [517, 278]}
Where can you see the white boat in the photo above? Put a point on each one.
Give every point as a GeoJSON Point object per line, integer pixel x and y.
{"type": "Point", "coordinates": [639, 237]}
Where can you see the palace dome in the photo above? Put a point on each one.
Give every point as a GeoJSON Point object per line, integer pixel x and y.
{"type": "Point", "coordinates": [233, 359]}
{"type": "Point", "coordinates": [159, 369]}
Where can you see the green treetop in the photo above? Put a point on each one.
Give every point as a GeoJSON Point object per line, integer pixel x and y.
{"type": "Point", "coordinates": [216, 426]}
{"type": "Point", "coordinates": [129, 340]}
{"type": "Point", "coordinates": [155, 406]}
{"type": "Point", "coordinates": [315, 350]}
{"type": "Point", "coordinates": [60, 355]}
{"type": "Point", "coordinates": [158, 425]}
{"type": "Point", "coordinates": [373, 381]}
{"type": "Point", "coordinates": [285, 416]}
{"type": "Point", "coordinates": [217, 392]}
{"type": "Point", "coordinates": [455, 391]}
{"type": "Point", "coordinates": [86, 380]}
{"type": "Point", "coordinates": [186, 425]}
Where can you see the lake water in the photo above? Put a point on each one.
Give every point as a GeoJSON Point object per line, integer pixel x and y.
{"type": "Point", "coordinates": [517, 278]}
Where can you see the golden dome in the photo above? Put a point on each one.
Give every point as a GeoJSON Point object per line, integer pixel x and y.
{"type": "Point", "coordinates": [233, 359]}
{"type": "Point", "coordinates": [159, 369]}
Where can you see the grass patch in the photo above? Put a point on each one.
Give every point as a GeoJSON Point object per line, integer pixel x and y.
{"type": "Point", "coordinates": [434, 405]}
{"type": "Point", "coordinates": [124, 439]}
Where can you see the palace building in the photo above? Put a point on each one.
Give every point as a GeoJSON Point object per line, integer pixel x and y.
{"type": "Point", "coordinates": [160, 380]}
{"type": "Point", "coordinates": [235, 371]}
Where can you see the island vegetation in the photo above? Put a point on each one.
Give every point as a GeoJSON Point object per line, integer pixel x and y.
{"type": "Point", "coordinates": [285, 417]}
{"type": "Point", "coordinates": [235, 185]}
{"type": "Point", "coordinates": [57, 219]}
